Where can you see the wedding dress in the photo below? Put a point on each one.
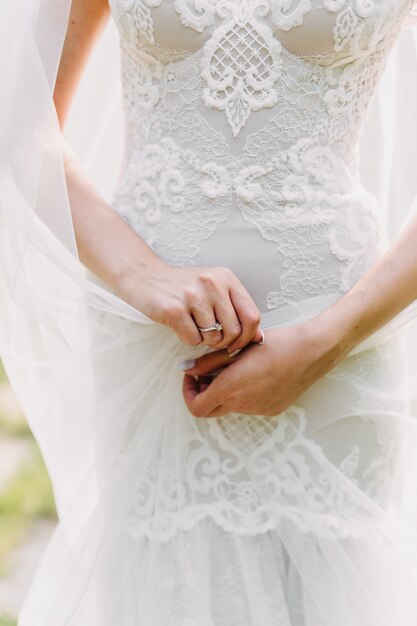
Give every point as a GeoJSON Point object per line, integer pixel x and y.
{"type": "Point", "coordinates": [242, 127]}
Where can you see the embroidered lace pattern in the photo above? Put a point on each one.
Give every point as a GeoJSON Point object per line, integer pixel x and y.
{"type": "Point", "coordinates": [285, 154]}
{"type": "Point", "coordinates": [250, 111]}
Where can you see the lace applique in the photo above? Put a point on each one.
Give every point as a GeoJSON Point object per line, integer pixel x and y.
{"type": "Point", "coordinates": [241, 63]}
{"type": "Point", "coordinates": [312, 195]}
{"type": "Point", "coordinates": [363, 8]}
{"type": "Point", "coordinates": [241, 131]}
{"type": "Point", "coordinates": [140, 76]}
{"type": "Point", "coordinates": [163, 182]}
{"type": "Point", "coordinates": [242, 58]}
{"type": "Point", "coordinates": [288, 14]}
{"type": "Point", "coordinates": [371, 377]}
{"type": "Point", "coordinates": [350, 464]}
{"type": "Point", "coordinates": [345, 29]}
{"type": "Point", "coordinates": [196, 14]}
{"type": "Point", "coordinates": [313, 206]}
{"type": "Point", "coordinates": [248, 473]}
{"type": "Point", "coordinates": [139, 22]}
{"type": "Point", "coordinates": [315, 203]}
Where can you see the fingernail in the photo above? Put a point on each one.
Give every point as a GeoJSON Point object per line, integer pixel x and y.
{"type": "Point", "coordinates": [262, 340]}
{"type": "Point", "coordinates": [186, 365]}
{"type": "Point", "coordinates": [234, 353]}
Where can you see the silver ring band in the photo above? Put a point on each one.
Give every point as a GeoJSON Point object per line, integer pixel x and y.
{"type": "Point", "coordinates": [216, 326]}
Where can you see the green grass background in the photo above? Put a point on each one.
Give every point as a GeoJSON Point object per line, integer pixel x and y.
{"type": "Point", "coordinates": [27, 497]}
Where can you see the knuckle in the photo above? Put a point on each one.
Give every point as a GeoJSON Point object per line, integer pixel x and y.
{"type": "Point", "coordinates": [226, 272]}
{"type": "Point", "coordinates": [195, 340]}
{"type": "Point", "coordinates": [174, 312]}
{"type": "Point", "coordinates": [236, 330]}
{"type": "Point", "coordinates": [253, 317]}
{"type": "Point", "coordinates": [219, 345]}
{"type": "Point", "coordinates": [256, 317]}
{"type": "Point", "coordinates": [232, 333]}
{"type": "Point", "coordinates": [191, 293]}
{"type": "Point", "coordinates": [208, 278]}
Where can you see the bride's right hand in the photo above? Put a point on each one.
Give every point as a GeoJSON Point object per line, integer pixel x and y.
{"type": "Point", "coordinates": [183, 298]}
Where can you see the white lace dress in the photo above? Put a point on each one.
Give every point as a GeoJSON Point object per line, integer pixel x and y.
{"type": "Point", "coordinates": [243, 119]}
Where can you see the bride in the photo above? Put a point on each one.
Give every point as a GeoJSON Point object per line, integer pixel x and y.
{"type": "Point", "coordinates": [211, 362]}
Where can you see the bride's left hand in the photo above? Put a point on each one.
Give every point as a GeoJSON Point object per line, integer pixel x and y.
{"type": "Point", "coordinates": [262, 379]}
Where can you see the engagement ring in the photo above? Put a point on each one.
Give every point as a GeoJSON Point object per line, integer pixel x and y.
{"type": "Point", "coordinates": [216, 326]}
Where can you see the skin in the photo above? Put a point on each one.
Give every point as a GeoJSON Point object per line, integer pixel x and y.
{"type": "Point", "coordinates": [180, 298]}
{"type": "Point", "coordinates": [261, 379]}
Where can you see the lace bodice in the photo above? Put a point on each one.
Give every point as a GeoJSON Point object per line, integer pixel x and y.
{"type": "Point", "coordinates": [242, 125]}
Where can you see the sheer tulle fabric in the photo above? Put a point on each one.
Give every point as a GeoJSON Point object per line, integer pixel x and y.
{"type": "Point", "coordinates": [165, 519]}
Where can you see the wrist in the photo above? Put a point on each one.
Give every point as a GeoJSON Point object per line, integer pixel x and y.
{"type": "Point", "coordinates": [343, 325]}
{"type": "Point", "coordinates": [136, 279]}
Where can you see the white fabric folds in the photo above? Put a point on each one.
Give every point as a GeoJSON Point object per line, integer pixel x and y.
{"type": "Point", "coordinates": [239, 521]}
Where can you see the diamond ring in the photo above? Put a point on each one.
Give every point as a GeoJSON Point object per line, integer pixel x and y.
{"type": "Point", "coordinates": [216, 326]}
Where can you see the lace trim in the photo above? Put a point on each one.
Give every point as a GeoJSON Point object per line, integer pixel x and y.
{"type": "Point", "coordinates": [249, 474]}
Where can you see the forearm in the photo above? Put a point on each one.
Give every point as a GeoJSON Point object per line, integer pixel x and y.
{"type": "Point", "coordinates": [106, 244]}
{"type": "Point", "coordinates": [388, 287]}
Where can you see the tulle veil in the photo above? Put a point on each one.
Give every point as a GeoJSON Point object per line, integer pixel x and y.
{"type": "Point", "coordinates": [82, 360]}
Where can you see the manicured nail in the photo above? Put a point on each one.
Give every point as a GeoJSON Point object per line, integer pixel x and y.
{"type": "Point", "coordinates": [234, 353]}
{"type": "Point", "coordinates": [262, 340]}
{"type": "Point", "coordinates": [186, 365]}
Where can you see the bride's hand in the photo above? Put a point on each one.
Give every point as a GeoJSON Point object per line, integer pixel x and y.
{"type": "Point", "coordinates": [262, 380]}
{"type": "Point", "coordinates": [186, 297]}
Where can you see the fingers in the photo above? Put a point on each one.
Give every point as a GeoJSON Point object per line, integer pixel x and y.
{"type": "Point", "coordinates": [200, 403]}
{"type": "Point", "coordinates": [204, 382]}
{"type": "Point", "coordinates": [204, 296]}
{"type": "Point", "coordinates": [217, 306]}
{"type": "Point", "coordinates": [190, 390]}
{"type": "Point", "coordinates": [205, 319]}
{"type": "Point", "coordinates": [185, 328]}
{"type": "Point", "coordinates": [222, 391]}
{"type": "Point", "coordinates": [226, 314]}
{"type": "Point", "coordinates": [199, 297]}
{"type": "Point", "coordinates": [233, 307]}
{"type": "Point", "coordinates": [249, 317]}
{"type": "Point", "coordinates": [210, 362]}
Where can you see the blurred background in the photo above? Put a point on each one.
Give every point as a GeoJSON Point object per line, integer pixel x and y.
{"type": "Point", "coordinates": [27, 511]}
